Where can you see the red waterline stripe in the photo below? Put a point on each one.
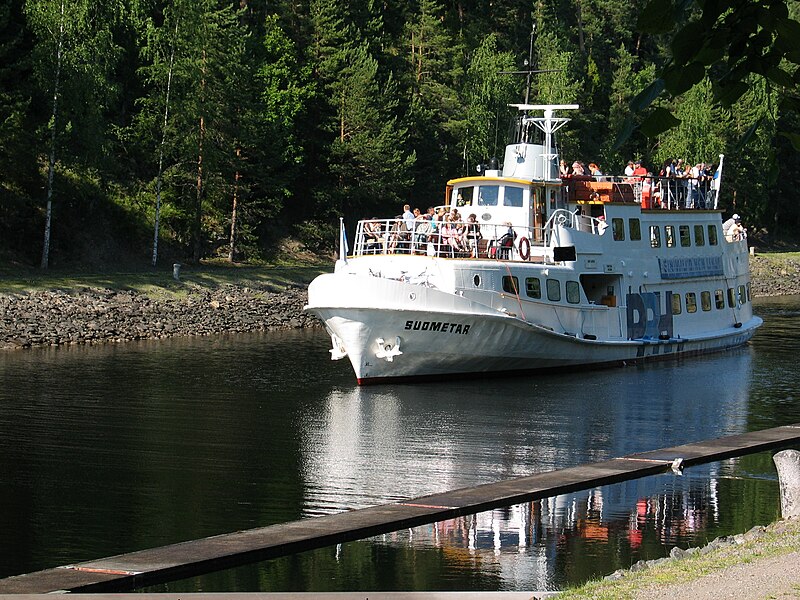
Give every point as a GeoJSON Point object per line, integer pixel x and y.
{"type": "Point", "coordinates": [99, 570]}
{"type": "Point", "coordinates": [425, 505]}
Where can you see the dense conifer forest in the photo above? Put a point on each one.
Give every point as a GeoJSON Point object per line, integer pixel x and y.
{"type": "Point", "coordinates": [216, 128]}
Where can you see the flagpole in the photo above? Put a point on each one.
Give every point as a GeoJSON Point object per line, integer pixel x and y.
{"type": "Point", "coordinates": [718, 177]}
{"type": "Point", "coordinates": [342, 241]}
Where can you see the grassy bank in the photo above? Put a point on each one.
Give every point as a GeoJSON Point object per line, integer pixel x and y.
{"type": "Point", "coordinates": [160, 281]}
{"type": "Point", "coordinates": [751, 553]}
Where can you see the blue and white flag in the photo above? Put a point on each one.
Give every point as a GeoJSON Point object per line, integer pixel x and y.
{"type": "Point", "coordinates": [716, 182]}
{"type": "Point", "coordinates": [343, 247]}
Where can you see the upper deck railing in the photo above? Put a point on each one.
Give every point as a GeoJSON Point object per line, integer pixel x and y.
{"type": "Point", "coordinates": [448, 239]}
{"type": "Point", "coordinates": [673, 193]}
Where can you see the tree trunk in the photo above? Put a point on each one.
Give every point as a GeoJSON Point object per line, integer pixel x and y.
{"type": "Point", "coordinates": [52, 162]}
{"type": "Point", "coordinates": [232, 252]}
{"type": "Point", "coordinates": [163, 143]}
{"type": "Point", "coordinates": [198, 213]}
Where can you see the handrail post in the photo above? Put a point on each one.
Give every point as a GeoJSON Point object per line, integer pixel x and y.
{"type": "Point", "coordinates": [788, 464]}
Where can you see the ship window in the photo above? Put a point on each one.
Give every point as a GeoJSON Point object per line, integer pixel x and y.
{"type": "Point", "coordinates": [731, 297]}
{"type": "Point", "coordinates": [573, 292]}
{"type": "Point", "coordinates": [683, 231]}
{"type": "Point", "coordinates": [691, 302]}
{"type": "Point", "coordinates": [676, 304]}
{"type": "Point", "coordinates": [719, 299]}
{"type": "Point", "coordinates": [635, 229]}
{"type": "Point", "coordinates": [712, 235]}
{"type": "Point", "coordinates": [553, 290]}
{"type": "Point", "coordinates": [510, 284]}
{"type": "Point", "coordinates": [699, 236]}
{"type": "Point", "coordinates": [705, 300]}
{"type": "Point", "coordinates": [533, 287]}
{"type": "Point", "coordinates": [749, 297]}
{"type": "Point", "coordinates": [655, 236]}
{"type": "Point", "coordinates": [742, 294]}
{"type": "Point", "coordinates": [618, 227]}
{"type": "Point", "coordinates": [464, 196]}
{"type": "Point", "coordinates": [487, 195]}
{"type": "Point", "coordinates": [512, 197]}
{"type": "Point", "coordinates": [669, 235]}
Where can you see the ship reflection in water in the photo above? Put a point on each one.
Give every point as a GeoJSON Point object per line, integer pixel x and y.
{"type": "Point", "coordinates": [378, 445]}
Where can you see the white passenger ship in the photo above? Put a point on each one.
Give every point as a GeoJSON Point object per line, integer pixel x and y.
{"type": "Point", "coordinates": [593, 274]}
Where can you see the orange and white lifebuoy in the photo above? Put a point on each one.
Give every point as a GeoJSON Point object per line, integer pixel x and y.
{"type": "Point", "coordinates": [524, 248]}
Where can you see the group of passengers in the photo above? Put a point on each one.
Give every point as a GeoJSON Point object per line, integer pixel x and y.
{"type": "Point", "coordinates": [432, 232]}
{"type": "Point", "coordinates": [679, 184]}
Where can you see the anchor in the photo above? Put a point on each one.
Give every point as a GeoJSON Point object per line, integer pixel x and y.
{"type": "Point", "coordinates": [338, 351]}
{"type": "Point", "coordinates": [386, 350]}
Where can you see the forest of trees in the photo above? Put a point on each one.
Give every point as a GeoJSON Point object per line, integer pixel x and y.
{"type": "Point", "coordinates": [145, 129]}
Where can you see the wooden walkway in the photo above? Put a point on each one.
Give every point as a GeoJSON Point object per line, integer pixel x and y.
{"type": "Point", "coordinates": [187, 559]}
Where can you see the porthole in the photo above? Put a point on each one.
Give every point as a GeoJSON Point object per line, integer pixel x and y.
{"type": "Point", "coordinates": [412, 296]}
{"type": "Point", "coordinates": [477, 280]}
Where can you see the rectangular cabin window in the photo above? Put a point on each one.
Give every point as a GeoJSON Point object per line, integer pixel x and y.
{"type": "Point", "coordinates": [554, 290]}
{"type": "Point", "coordinates": [691, 302]}
{"type": "Point", "coordinates": [719, 299]}
{"type": "Point", "coordinates": [487, 195]}
{"type": "Point", "coordinates": [533, 287]}
{"type": "Point", "coordinates": [464, 196]}
{"type": "Point", "coordinates": [573, 292]}
{"type": "Point", "coordinates": [669, 235]}
{"type": "Point", "coordinates": [510, 284]}
{"type": "Point", "coordinates": [655, 236]}
{"type": "Point", "coordinates": [635, 228]}
{"type": "Point", "coordinates": [683, 231]}
{"type": "Point", "coordinates": [699, 236]}
{"type": "Point", "coordinates": [512, 197]}
{"type": "Point", "coordinates": [705, 301]}
{"type": "Point", "coordinates": [618, 227]}
{"type": "Point", "coordinates": [676, 304]}
{"type": "Point", "coordinates": [712, 235]}
{"type": "Point", "coordinates": [731, 297]}
{"type": "Point", "coordinates": [742, 295]}
{"type": "Point", "coordinates": [749, 297]}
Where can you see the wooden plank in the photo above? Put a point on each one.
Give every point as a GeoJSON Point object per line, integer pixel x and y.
{"type": "Point", "coordinates": [192, 558]}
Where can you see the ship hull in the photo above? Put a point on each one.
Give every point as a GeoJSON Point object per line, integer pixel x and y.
{"type": "Point", "coordinates": [424, 333]}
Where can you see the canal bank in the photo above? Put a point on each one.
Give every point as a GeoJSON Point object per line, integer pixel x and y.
{"type": "Point", "coordinates": [761, 563]}
{"type": "Point", "coordinates": [87, 310]}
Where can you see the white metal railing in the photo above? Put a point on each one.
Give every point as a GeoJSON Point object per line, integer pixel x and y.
{"type": "Point", "coordinates": [449, 239]}
{"type": "Point", "coordinates": [661, 192]}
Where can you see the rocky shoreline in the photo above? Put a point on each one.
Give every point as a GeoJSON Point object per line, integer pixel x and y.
{"type": "Point", "coordinates": [91, 315]}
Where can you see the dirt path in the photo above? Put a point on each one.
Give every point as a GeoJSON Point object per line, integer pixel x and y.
{"type": "Point", "coordinates": [773, 578]}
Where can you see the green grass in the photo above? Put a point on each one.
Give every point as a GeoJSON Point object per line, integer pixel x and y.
{"type": "Point", "coordinates": [776, 541]}
{"type": "Point", "coordinates": [159, 281]}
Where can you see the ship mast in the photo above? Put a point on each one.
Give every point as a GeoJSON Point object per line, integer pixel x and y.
{"type": "Point", "coordinates": [549, 124]}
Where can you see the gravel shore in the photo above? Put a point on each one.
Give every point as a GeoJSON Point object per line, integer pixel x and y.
{"type": "Point", "coordinates": [91, 316]}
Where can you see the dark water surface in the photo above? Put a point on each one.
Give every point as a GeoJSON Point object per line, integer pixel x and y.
{"type": "Point", "coordinates": [110, 449]}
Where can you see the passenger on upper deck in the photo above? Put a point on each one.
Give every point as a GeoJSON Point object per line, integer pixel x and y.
{"type": "Point", "coordinates": [563, 169]}
{"type": "Point", "coordinates": [594, 170]}
{"type": "Point", "coordinates": [629, 169]}
{"type": "Point", "coordinates": [577, 168]}
{"type": "Point", "coordinates": [473, 234]}
{"type": "Point", "coordinates": [638, 169]}
{"type": "Point", "coordinates": [408, 217]}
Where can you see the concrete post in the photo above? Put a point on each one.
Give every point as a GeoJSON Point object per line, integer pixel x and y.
{"type": "Point", "coordinates": [176, 271]}
{"type": "Point", "coordinates": [788, 464]}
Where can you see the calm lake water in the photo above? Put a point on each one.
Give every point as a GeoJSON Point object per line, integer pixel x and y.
{"type": "Point", "coordinates": [110, 449]}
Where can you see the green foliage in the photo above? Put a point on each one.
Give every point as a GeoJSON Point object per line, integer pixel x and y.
{"type": "Point", "coordinates": [487, 94]}
{"type": "Point", "coordinates": [305, 112]}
